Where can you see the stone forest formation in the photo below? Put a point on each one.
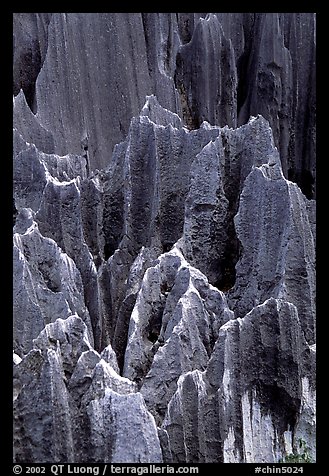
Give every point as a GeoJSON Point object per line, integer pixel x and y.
{"type": "Point", "coordinates": [164, 237]}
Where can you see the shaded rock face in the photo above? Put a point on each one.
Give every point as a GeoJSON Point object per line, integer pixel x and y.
{"type": "Point", "coordinates": [164, 237]}
{"type": "Point", "coordinates": [220, 67]}
{"type": "Point", "coordinates": [30, 42]}
{"type": "Point", "coordinates": [205, 96]}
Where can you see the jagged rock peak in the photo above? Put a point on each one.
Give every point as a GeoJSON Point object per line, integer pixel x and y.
{"type": "Point", "coordinates": [235, 410]}
{"type": "Point", "coordinates": [82, 401]}
{"type": "Point", "coordinates": [158, 114]}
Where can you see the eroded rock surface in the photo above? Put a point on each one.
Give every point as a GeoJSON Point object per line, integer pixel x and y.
{"type": "Point", "coordinates": [78, 404]}
{"type": "Point", "coordinates": [221, 67]}
{"type": "Point", "coordinates": [242, 408]}
{"type": "Point", "coordinates": [173, 328]}
{"type": "Point", "coordinates": [164, 237]}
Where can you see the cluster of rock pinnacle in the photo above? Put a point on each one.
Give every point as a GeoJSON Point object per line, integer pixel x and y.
{"type": "Point", "coordinates": [164, 237]}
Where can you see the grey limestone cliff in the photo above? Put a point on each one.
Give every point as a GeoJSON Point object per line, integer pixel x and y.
{"type": "Point", "coordinates": [164, 237]}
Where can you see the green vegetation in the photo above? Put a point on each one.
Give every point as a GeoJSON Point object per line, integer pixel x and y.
{"type": "Point", "coordinates": [302, 455]}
